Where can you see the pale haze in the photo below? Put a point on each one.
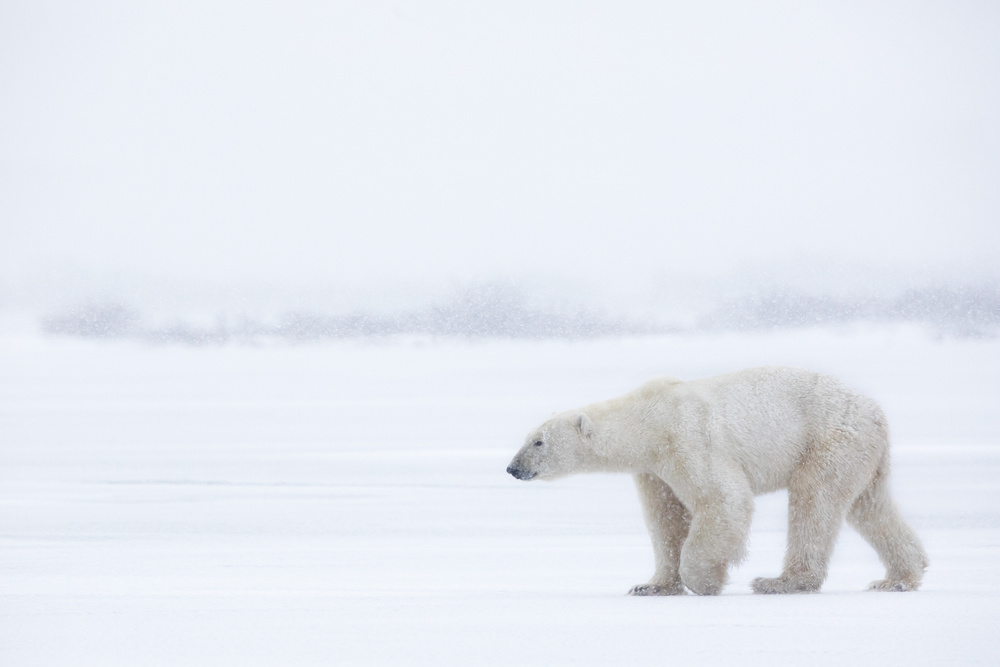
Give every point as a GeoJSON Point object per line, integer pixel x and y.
{"type": "Point", "coordinates": [284, 286]}
{"type": "Point", "coordinates": [398, 142]}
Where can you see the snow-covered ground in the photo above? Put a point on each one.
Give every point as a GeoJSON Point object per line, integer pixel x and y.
{"type": "Point", "coordinates": [346, 503]}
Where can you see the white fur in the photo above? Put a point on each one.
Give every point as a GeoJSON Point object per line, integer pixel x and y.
{"type": "Point", "coordinates": [700, 451]}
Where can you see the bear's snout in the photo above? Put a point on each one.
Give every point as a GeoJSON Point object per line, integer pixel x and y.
{"type": "Point", "coordinates": [519, 473]}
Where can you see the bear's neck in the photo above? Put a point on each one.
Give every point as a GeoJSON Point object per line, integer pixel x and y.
{"type": "Point", "coordinates": [629, 432]}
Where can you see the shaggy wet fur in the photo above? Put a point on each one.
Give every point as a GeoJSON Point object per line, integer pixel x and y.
{"type": "Point", "coordinates": [700, 451]}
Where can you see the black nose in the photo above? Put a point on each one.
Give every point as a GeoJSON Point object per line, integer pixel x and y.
{"type": "Point", "coordinates": [518, 473]}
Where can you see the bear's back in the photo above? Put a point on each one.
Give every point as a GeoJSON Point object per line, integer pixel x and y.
{"type": "Point", "coordinates": [762, 419]}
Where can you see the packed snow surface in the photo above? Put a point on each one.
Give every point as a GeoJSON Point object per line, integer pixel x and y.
{"type": "Point", "coordinates": [346, 503]}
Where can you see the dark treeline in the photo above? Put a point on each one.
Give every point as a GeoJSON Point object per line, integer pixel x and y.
{"type": "Point", "coordinates": [503, 311]}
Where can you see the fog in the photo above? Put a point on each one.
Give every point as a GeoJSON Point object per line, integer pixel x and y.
{"type": "Point", "coordinates": [637, 158]}
{"type": "Point", "coordinates": [283, 286]}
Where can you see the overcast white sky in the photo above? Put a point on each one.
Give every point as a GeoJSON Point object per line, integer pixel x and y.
{"type": "Point", "coordinates": [397, 141]}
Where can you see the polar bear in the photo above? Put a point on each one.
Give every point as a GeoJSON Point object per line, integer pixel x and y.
{"type": "Point", "coordinates": [700, 451]}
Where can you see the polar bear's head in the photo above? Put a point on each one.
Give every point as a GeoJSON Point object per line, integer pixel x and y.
{"type": "Point", "coordinates": [559, 447]}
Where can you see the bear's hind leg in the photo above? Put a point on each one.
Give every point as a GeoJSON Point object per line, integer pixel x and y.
{"type": "Point", "coordinates": [875, 516]}
{"type": "Point", "coordinates": [667, 521]}
{"type": "Point", "coordinates": [815, 514]}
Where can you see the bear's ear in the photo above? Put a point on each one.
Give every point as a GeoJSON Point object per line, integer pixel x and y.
{"type": "Point", "coordinates": [584, 425]}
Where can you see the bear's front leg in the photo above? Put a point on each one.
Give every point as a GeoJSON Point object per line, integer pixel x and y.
{"type": "Point", "coordinates": [667, 521]}
{"type": "Point", "coordinates": [718, 536]}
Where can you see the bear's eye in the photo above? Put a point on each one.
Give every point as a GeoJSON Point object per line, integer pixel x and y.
{"type": "Point", "coordinates": [538, 443]}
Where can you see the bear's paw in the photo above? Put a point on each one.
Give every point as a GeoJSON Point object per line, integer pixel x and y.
{"type": "Point", "coordinates": [643, 590]}
{"type": "Point", "coordinates": [781, 585]}
{"type": "Point", "coordinates": [894, 585]}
